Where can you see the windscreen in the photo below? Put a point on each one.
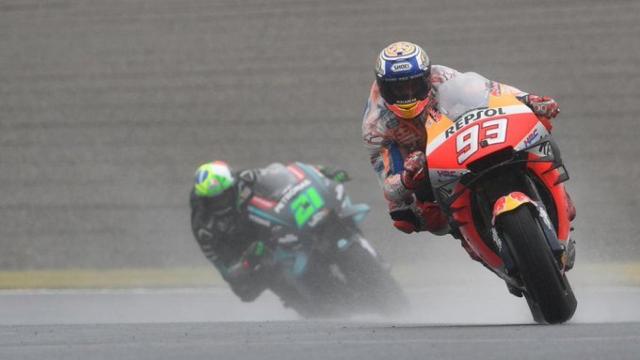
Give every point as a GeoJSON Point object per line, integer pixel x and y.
{"type": "Point", "coordinates": [465, 92]}
{"type": "Point", "coordinates": [274, 180]}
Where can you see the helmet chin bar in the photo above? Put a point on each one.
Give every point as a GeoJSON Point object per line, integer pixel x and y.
{"type": "Point", "coordinates": [408, 112]}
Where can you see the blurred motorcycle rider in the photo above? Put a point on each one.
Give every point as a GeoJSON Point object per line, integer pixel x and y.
{"type": "Point", "coordinates": [402, 99]}
{"type": "Point", "coordinates": [220, 224]}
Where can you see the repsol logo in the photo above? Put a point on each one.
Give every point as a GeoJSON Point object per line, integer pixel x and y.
{"type": "Point", "coordinates": [471, 117]}
{"type": "Point", "coordinates": [403, 66]}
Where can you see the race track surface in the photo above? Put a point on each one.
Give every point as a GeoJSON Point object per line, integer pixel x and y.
{"type": "Point", "coordinates": [195, 324]}
{"type": "Point", "coordinates": [320, 340]}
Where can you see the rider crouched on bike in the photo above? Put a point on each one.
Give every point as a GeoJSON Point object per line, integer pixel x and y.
{"type": "Point", "coordinates": [220, 224]}
{"type": "Point", "coordinates": [402, 99]}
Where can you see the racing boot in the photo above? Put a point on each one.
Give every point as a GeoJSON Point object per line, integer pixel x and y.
{"type": "Point", "coordinates": [571, 209]}
{"type": "Point", "coordinates": [570, 255]}
{"type": "Point", "coordinates": [570, 252]}
{"type": "Point", "coordinates": [514, 290]}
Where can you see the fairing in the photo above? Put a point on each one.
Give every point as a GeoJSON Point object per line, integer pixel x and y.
{"type": "Point", "coordinates": [474, 125]}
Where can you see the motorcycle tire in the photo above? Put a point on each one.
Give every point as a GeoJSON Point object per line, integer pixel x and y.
{"type": "Point", "coordinates": [372, 281]}
{"type": "Point", "coordinates": [319, 294]}
{"type": "Point", "coordinates": [548, 292]}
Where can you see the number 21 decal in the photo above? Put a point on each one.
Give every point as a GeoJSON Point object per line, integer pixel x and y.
{"type": "Point", "coordinates": [489, 132]}
{"type": "Point", "coordinates": [306, 205]}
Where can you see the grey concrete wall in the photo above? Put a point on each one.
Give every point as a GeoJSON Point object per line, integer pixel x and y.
{"type": "Point", "coordinates": [107, 107]}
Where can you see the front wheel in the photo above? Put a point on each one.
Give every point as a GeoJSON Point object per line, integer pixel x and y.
{"type": "Point", "coordinates": [372, 281]}
{"type": "Point", "coordinates": [548, 292]}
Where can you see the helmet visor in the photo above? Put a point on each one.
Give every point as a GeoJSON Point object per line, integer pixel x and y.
{"type": "Point", "coordinates": [222, 202]}
{"type": "Point", "coordinates": [404, 91]}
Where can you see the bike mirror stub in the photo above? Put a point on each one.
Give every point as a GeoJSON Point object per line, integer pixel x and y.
{"type": "Point", "coordinates": [564, 175]}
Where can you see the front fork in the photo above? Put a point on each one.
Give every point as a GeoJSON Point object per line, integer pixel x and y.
{"type": "Point", "coordinates": [514, 200]}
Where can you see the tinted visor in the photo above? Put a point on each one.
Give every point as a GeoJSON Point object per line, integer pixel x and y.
{"type": "Point", "coordinates": [404, 91]}
{"type": "Point", "coordinates": [221, 202]}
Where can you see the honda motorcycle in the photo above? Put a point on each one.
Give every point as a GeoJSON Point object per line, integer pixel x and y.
{"type": "Point", "coordinates": [321, 265]}
{"type": "Point", "coordinates": [498, 175]}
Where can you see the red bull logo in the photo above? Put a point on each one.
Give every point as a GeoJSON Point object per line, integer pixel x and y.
{"type": "Point", "coordinates": [509, 203]}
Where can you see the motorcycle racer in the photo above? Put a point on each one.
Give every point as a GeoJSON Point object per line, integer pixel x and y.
{"type": "Point", "coordinates": [221, 226]}
{"type": "Point", "coordinates": [402, 99]}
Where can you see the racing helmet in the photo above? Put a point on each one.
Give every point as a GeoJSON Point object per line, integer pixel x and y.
{"type": "Point", "coordinates": [402, 74]}
{"type": "Point", "coordinates": [215, 182]}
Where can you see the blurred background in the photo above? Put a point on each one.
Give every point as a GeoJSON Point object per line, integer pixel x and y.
{"type": "Point", "coordinates": [108, 107]}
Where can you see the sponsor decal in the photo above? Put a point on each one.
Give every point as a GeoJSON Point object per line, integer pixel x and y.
{"type": "Point", "coordinates": [532, 138]}
{"type": "Point", "coordinates": [401, 66]}
{"type": "Point", "coordinates": [447, 173]}
{"type": "Point", "coordinates": [471, 117]}
{"type": "Point", "coordinates": [287, 239]}
{"type": "Point", "coordinates": [291, 193]}
{"type": "Point", "coordinates": [508, 203]}
{"type": "Point", "coordinates": [544, 149]}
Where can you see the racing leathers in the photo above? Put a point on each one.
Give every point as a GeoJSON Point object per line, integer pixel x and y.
{"type": "Point", "coordinates": [396, 147]}
{"type": "Point", "coordinates": [234, 244]}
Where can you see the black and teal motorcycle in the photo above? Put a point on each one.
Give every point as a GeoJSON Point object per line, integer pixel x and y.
{"type": "Point", "coordinates": [321, 265]}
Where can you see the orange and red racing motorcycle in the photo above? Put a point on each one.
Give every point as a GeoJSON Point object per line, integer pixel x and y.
{"type": "Point", "coordinates": [498, 175]}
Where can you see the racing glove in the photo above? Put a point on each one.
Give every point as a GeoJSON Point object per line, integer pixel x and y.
{"type": "Point", "coordinates": [414, 170]}
{"type": "Point", "coordinates": [337, 175]}
{"type": "Point", "coordinates": [253, 259]}
{"type": "Point", "coordinates": [542, 105]}
{"type": "Point", "coordinates": [427, 216]}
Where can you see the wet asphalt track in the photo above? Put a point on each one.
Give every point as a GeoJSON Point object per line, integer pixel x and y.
{"type": "Point", "coordinates": [320, 340]}
{"type": "Point", "coordinates": [198, 324]}
{"type": "Point", "coordinates": [106, 107]}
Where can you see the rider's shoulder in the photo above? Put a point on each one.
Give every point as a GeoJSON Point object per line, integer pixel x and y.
{"type": "Point", "coordinates": [374, 103]}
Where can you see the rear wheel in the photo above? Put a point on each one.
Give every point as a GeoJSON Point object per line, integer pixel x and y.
{"type": "Point", "coordinates": [548, 292]}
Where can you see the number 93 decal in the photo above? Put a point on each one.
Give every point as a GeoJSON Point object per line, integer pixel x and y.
{"type": "Point", "coordinates": [488, 133]}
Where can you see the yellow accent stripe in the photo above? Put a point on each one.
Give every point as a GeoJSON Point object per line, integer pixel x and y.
{"type": "Point", "coordinates": [406, 274]}
{"type": "Point", "coordinates": [503, 100]}
{"type": "Point", "coordinates": [436, 128]}
{"type": "Point", "coordinates": [120, 278]}
{"type": "Point", "coordinates": [583, 274]}
{"type": "Point", "coordinates": [609, 273]}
